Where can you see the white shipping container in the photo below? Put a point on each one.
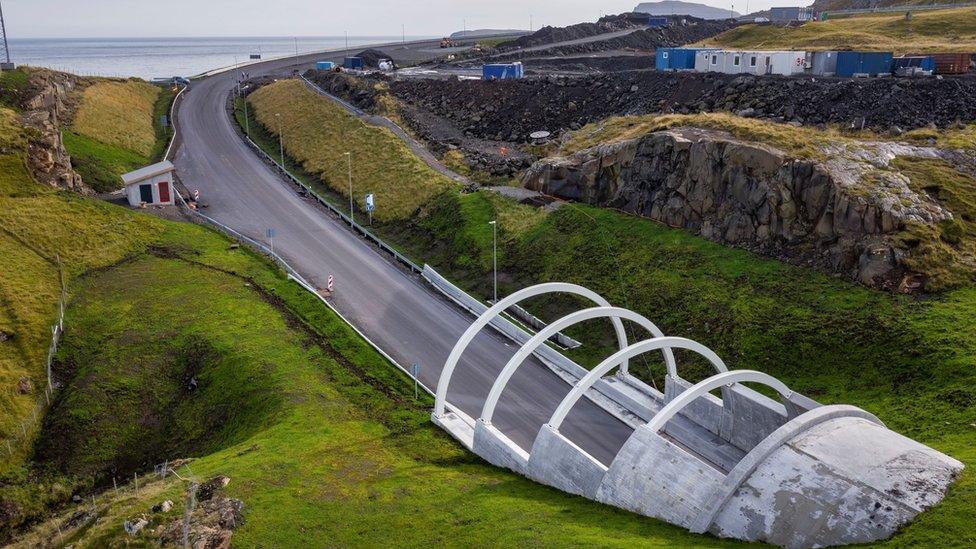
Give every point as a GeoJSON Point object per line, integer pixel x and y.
{"type": "Point", "coordinates": [752, 62]}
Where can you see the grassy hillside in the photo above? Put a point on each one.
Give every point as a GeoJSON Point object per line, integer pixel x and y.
{"type": "Point", "coordinates": [120, 114]}
{"type": "Point", "coordinates": [952, 30]}
{"type": "Point", "coordinates": [117, 129]}
{"type": "Point", "coordinates": [318, 133]}
{"type": "Point", "coordinates": [910, 361]}
{"type": "Point", "coordinates": [37, 226]}
{"type": "Point", "coordinates": [322, 439]}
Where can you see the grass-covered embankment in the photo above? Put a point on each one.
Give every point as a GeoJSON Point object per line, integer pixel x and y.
{"type": "Point", "coordinates": [949, 30]}
{"type": "Point", "coordinates": [39, 226]}
{"type": "Point", "coordinates": [116, 129]}
{"type": "Point", "coordinates": [192, 347]}
{"type": "Point", "coordinates": [381, 163]}
{"type": "Point", "coordinates": [909, 360]}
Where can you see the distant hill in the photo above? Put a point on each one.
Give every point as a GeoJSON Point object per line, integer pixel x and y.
{"type": "Point", "coordinates": [486, 33]}
{"type": "Point", "coordinates": [827, 5]}
{"type": "Point", "coordinates": [677, 7]}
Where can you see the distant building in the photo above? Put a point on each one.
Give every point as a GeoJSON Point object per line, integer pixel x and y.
{"type": "Point", "coordinates": [152, 185]}
{"type": "Point", "coordinates": [790, 13]}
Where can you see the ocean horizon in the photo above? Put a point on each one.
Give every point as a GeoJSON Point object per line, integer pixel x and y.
{"type": "Point", "coordinates": [161, 57]}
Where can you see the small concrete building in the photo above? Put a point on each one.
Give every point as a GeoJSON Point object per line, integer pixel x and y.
{"type": "Point", "coordinates": [152, 185]}
{"type": "Point", "coordinates": [752, 62]}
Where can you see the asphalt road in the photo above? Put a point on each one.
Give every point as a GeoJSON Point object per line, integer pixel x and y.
{"type": "Point", "coordinates": [398, 311]}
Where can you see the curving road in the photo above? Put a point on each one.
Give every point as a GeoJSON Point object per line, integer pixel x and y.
{"type": "Point", "coordinates": [395, 309]}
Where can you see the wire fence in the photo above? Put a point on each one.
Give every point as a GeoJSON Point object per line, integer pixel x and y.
{"type": "Point", "coordinates": [20, 438]}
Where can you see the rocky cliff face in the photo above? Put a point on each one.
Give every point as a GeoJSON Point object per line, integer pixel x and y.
{"type": "Point", "coordinates": [44, 112]}
{"type": "Point", "coordinates": [840, 215]}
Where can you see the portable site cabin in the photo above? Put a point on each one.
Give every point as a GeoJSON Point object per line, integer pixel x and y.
{"type": "Point", "coordinates": [949, 63]}
{"type": "Point", "coordinates": [824, 63]}
{"type": "Point", "coordinates": [324, 65]}
{"type": "Point", "coordinates": [784, 63]}
{"type": "Point", "coordinates": [152, 185]}
{"type": "Point", "coordinates": [353, 63]}
{"type": "Point", "coordinates": [502, 71]}
{"type": "Point", "coordinates": [863, 63]}
{"type": "Point", "coordinates": [913, 65]}
{"type": "Point", "coordinates": [677, 59]}
{"type": "Point", "coordinates": [653, 21]}
{"type": "Point", "coordinates": [790, 13]}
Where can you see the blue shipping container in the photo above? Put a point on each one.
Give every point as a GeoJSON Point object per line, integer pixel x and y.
{"type": "Point", "coordinates": [324, 65]}
{"type": "Point", "coordinates": [871, 63]}
{"type": "Point", "coordinates": [924, 63]}
{"type": "Point", "coordinates": [502, 71]}
{"type": "Point", "coordinates": [355, 63]}
{"type": "Point", "coordinates": [676, 59]}
{"type": "Point", "coordinates": [657, 21]}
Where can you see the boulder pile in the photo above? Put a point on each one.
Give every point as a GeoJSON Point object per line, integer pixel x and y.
{"type": "Point", "coordinates": [521, 107]}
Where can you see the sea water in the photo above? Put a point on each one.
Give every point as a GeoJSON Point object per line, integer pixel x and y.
{"type": "Point", "coordinates": [166, 57]}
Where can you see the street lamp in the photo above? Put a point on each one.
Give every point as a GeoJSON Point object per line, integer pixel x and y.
{"type": "Point", "coordinates": [352, 214]}
{"type": "Point", "coordinates": [494, 257]}
{"type": "Point", "coordinates": [281, 141]}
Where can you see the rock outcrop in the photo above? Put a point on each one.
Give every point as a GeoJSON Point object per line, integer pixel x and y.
{"type": "Point", "coordinates": [44, 113]}
{"type": "Point", "coordinates": [840, 214]}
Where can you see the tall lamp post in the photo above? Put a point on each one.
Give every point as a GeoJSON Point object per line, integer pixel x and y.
{"type": "Point", "coordinates": [281, 141]}
{"type": "Point", "coordinates": [494, 258]}
{"type": "Point", "coordinates": [352, 214]}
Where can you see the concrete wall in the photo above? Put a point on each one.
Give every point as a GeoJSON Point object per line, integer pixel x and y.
{"type": "Point", "coordinates": [498, 449]}
{"type": "Point", "coordinates": [847, 480]}
{"type": "Point", "coordinates": [656, 478]}
{"type": "Point", "coordinates": [557, 462]}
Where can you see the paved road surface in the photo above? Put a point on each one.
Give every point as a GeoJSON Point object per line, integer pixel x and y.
{"type": "Point", "coordinates": [396, 310]}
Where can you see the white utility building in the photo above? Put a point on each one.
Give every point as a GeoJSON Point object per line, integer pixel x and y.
{"type": "Point", "coordinates": [784, 63]}
{"type": "Point", "coordinates": [152, 185]}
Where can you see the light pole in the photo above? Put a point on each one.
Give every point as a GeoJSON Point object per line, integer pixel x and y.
{"type": "Point", "coordinates": [352, 214]}
{"type": "Point", "coordinates": [494, 258]}
{"type": "Point", "coordinates": [281, 141]}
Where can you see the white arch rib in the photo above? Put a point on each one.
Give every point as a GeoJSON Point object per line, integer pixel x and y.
{"type": "Point", "coordinates": [613, 360]}
{"type": "Point", "coordinates": [540, 338]}
{"type": "Point", "coordinates": [486, 317]}
{"type": "Point", "coordinates": [719, 380]}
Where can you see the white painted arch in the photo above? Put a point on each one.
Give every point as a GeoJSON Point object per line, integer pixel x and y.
{"type": "Point", "coordinates": [540, 338]}
{"type": "Point", "coordinates": [719, 380]}
{"type": "Point", "coordinates": [615, 359]}
{"type": "Point", "coordinates": [440, 401]}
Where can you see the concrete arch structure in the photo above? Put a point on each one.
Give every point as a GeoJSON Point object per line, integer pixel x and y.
{"type": "Point", "coordinates": [703, 387]}
{"type": "Point", "coordinates": [613, 360]}
{"type": "Point", "coordinates": [572, 319]}
{"type": "Point", "coordinates": [790, 472]}
{"type": "Point", "coordinates": [447, 372]}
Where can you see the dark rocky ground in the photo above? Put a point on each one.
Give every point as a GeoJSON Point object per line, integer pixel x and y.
{"type": "Point", "coordinates": [594, 64]}
{"type": "Point", "coordinates": [549, 35]}
{"type": "Point", "coordinates": [510, 110]}
{"type": "Point", "coordinates": [483, 118]}
{"type": "Point", "coordinates": [677, 34]}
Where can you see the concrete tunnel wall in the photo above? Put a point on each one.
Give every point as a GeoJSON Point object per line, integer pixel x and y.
{"type": "Point", "coordinates": [811, 476]}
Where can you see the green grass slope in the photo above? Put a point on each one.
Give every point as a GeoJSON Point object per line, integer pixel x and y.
{"type": "Point", "coordinates": [38, 227]}
{"type": "Point", "coordinates": [118, 129]}
{"type": "Point", "coordinates": [321, 437]}
{"type": "Point", "coordinates": [950, 30]}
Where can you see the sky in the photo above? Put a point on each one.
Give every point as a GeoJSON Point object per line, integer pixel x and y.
{"type": "Point", "coordinates": [153, 18]}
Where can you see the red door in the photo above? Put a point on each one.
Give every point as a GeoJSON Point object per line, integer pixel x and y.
{"type": "Point", "coordinates": [163, 192]}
